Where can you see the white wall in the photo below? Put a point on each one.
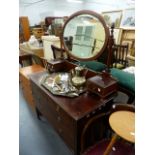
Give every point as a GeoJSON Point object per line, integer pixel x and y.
{"type": "Point", "coordinates": [38, 11]}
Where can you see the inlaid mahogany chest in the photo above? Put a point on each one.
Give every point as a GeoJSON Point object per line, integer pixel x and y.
{"type": "Point", "coordinates": [68, 116]}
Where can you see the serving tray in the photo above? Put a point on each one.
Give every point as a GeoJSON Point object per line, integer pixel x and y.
{"type": "Point", "coordinates": [60, 84]}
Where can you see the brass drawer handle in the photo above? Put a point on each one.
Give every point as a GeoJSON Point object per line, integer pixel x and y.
{"type": "Point", "coordinates": [99, 90]}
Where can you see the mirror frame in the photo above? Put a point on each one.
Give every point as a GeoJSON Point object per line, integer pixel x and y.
{"type": "Point", "coordinates": [107, 34]}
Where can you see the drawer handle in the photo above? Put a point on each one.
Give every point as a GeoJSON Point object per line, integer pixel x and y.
{"type": "Point", "coordinates": [98, 89]}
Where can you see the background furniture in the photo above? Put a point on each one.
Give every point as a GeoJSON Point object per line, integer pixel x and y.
{"type": "Point", "coordinates": [38, 32]}
{"type": "Point", "coordinates": [24, 30]}
{"type": "Point", "coordinates": [47, 42]}
{"type": "Point", "coordinates": [59, 53]}
{"type": "Point", "coordinates": [38, 60]}
{"type": "Point", "coordinates": [131, 55]}
{"type": "Point", "coordinates": [31, 49]}
{"type": "Point", "coordinates": [120, 56]}
{"type": "Point", "coordinates": [25, 82]}
{"type": "Point", "coordinates": [25, 59]}
{"type": "Point", "coordinates": [50, 20]}
{"type": "Point", "coordinates": [127, 35]}
{"type": "Point", "coordinates": [126, 82]}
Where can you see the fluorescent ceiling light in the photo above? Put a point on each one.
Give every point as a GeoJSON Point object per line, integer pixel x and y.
{"type": "Point", "coordinates": [75, 1]}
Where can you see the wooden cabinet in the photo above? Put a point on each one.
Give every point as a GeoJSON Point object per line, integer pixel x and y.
{"type": "Point", "coordinates": [25, 83]}
{"type": "Point", "coordinates": [68, 116]}
{"type": "Point", "coordinates": [24, 28]}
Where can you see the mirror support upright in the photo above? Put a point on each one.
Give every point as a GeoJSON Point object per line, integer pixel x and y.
{"type": "Point", "coordinates": [110, 51]}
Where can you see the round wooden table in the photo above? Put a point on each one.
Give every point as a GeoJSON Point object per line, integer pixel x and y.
{"type": "Point", "coordinates": [123, 124]}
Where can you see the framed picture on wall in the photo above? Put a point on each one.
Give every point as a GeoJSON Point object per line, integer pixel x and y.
{"type": "Point", "coordinates": [128, 18]}
{"type": "Point", "coordinates": [113, 17]}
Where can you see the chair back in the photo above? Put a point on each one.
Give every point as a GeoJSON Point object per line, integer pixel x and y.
{"type": "Point", "coordinates": [122, 106]}
{"type": "Point", "coordinates": [58, 53]}
{"type": "Point", "coordinates": [38, 60]}
{"type": "Point", "coordinates": [120, 55]}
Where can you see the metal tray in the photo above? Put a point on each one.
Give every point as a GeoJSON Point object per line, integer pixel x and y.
{"type": "Point", "coordinates": [60, 84]}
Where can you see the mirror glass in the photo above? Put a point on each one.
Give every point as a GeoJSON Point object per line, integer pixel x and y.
{"type": "Point", "coordinates": [84, 36]}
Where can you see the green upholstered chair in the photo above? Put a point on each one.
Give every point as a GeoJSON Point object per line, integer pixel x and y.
{"type": "Point", "coordinates": [126, 82]}
{"type": "Point", "coordinates": [98, 65]}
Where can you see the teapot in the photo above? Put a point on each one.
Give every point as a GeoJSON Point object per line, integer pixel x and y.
{"type": "Point", "coordinates": [78, 76]}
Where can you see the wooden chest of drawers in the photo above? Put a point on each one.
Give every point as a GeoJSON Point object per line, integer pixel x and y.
{"type": "Point", "coordinates": [68, 116]}
{"type": "Point", "coordinates": [25, 83]}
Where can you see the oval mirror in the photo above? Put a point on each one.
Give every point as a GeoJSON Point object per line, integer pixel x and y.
{"type": "Point", "coordinates": [85, 35]}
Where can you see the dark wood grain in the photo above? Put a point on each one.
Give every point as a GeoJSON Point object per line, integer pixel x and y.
{"type": "Point", "coordinates": [68, 116]}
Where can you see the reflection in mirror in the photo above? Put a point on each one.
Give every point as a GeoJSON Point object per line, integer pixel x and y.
{"type": "Point", "coordinates": [84, 36]}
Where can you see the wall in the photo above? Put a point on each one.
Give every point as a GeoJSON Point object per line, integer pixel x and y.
{"type": "Point", "coordinates": [37, 10]}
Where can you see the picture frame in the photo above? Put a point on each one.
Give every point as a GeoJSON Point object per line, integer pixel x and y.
{"type": "Point", "coordinates": [128, 18]}
{"type": "Point", "coordinates": [111, 17]}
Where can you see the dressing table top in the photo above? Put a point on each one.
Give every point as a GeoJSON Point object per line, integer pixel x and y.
{"type": "Point", "coordinates": [76, 107]}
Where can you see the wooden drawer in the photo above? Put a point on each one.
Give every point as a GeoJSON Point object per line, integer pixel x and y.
{"type": "Point", "coordinates": [60, 120]}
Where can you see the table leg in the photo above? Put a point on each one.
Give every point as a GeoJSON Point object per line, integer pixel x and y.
{"type": "Point", "coordinates": [108, 149]}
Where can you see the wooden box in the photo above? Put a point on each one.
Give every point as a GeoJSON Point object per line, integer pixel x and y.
{"type": "Point", "coordinates": [25, 83]}
{"type": "Point", "coordinates": [104, 86]}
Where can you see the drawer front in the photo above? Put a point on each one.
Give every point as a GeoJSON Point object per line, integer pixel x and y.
{"type": "Point", "coordinates": [103, 92]}
{"type": "Point", "coordinates": [62, 123]}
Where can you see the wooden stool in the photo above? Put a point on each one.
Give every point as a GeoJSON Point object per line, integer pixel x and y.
{"type": "Point", "coordinates": [25, 82]}
{"type": "Point", "coordinates": [119, 148]}
{"type": "Point", "coordinates": [123, 124]}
